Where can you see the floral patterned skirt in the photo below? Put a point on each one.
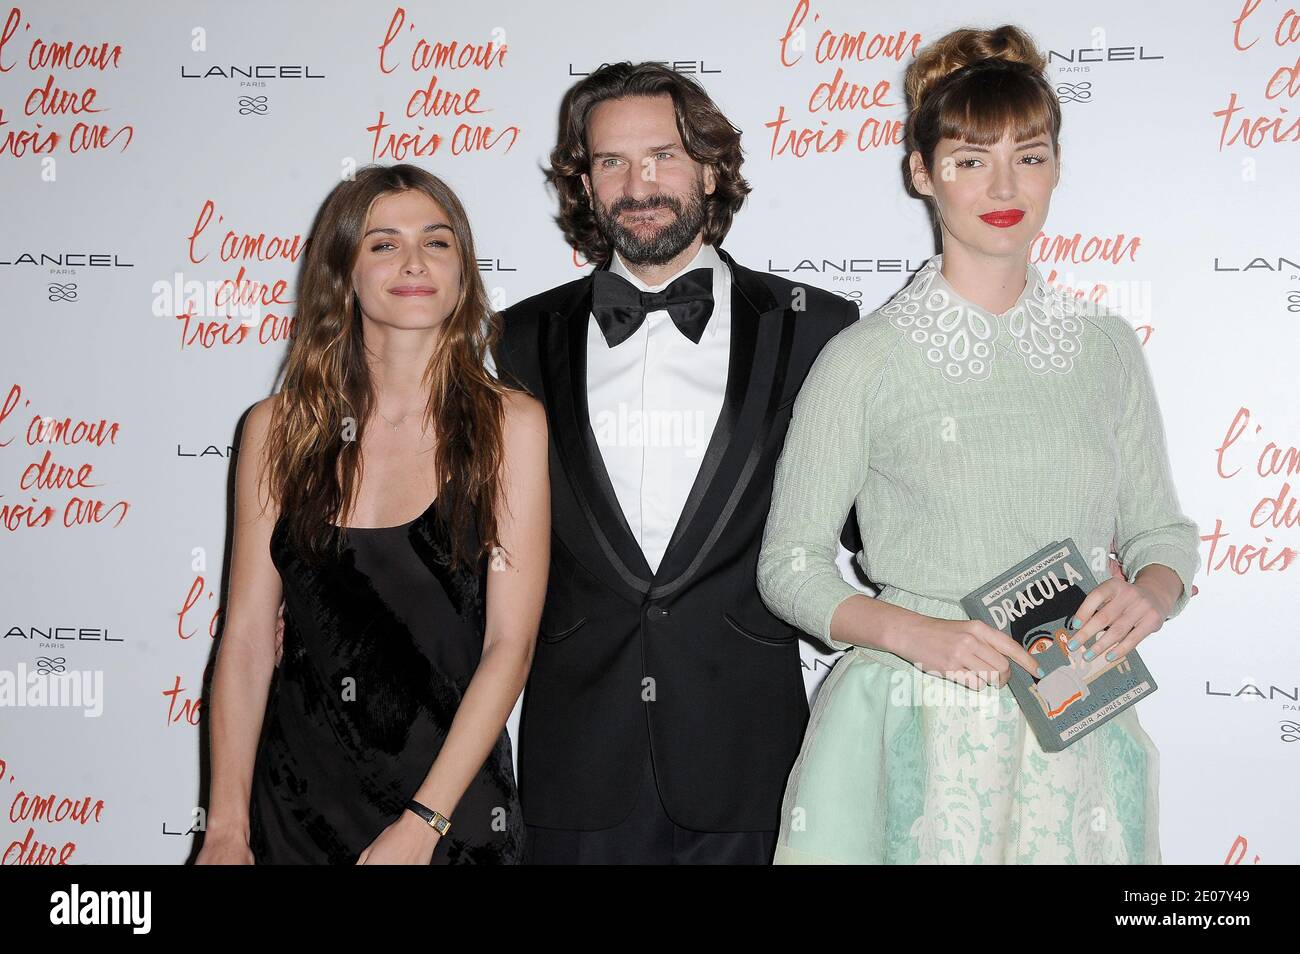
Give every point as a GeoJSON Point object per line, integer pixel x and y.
{"type": "Point", "coordinates": [900, 767]}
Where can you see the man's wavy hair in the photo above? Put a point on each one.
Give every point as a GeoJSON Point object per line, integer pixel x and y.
{"type": "Point", "coordinates": [707, 135]}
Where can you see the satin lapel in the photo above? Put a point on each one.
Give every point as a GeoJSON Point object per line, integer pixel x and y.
{"type": "Point", "coordinates": [761, 333]}
{"type": "Point", "coordinates": [564, 374]}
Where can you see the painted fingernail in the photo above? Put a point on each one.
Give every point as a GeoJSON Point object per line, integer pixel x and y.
{"type": "Point", "coordinates": [1074, 623]}
{"type": "Point", "coordinates": [1074, 644]}
{"type": "Point", "coordinates": [1089, 654]}
{"type": "Point", "coordinates": [1110, 657]}
{"type": "Point", "coordinates": [1040, 674]}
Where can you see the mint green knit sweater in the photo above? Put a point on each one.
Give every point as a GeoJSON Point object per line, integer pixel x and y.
{"type": "Point", "coordinates": [969, 440]}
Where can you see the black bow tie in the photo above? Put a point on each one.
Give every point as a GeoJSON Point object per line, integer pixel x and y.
{"type": "Point", "coordinates": [620, 307]}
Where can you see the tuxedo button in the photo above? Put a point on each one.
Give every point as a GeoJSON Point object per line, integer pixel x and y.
{"type": "Point", "coordinates": [657, 612]}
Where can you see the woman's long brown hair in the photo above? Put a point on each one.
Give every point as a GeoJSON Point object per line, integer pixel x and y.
{"type": "Point", "coordinates": [314, 446]}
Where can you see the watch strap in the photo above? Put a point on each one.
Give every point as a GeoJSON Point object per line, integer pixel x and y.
{"type": "Point", "coordinates": [435, 820]}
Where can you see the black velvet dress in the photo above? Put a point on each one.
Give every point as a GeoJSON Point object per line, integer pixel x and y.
{"type": "Point", "coordinates": [379, 647]}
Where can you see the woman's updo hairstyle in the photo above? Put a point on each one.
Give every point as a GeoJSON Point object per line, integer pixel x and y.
{"type": "Point", "coordinates": [975, 85]}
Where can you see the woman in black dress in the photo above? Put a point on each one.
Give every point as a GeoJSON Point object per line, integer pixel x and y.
{"type": "Point", "coordinates": [407, 640]}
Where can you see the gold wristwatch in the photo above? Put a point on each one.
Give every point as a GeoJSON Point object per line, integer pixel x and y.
{"type": "Point", "coordinates": [436, 820]}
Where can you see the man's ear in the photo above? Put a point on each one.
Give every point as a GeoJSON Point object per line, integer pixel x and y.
{"type": "Point", "coordinates": [920, 178]}
{"type": "Point", "coordinates": [710, 179]}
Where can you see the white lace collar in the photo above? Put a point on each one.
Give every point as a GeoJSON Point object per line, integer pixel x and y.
{"type": "Point", "coordinates": [960, 339]}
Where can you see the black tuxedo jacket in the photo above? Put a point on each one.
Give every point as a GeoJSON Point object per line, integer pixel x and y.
{"type": "Point", "coordinates": [686, 661]}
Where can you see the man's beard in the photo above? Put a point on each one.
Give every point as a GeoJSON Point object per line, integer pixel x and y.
{"type": "Point", "coordinates": [662, 245]}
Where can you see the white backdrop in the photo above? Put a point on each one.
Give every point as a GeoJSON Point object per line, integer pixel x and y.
{"type": "Point", "coordinates": [146, 146]}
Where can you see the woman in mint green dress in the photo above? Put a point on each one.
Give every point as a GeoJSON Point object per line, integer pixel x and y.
{"type": "Point", "coordinates": [977, 416]}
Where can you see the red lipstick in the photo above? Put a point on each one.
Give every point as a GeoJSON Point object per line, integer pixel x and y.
{"type": "Point", "coordinates": [1003, 218]}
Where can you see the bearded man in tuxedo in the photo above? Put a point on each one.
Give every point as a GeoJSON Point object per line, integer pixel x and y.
{"type": "Point", "coordinates": [666, 703]}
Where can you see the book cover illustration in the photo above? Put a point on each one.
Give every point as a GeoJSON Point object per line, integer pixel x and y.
{"type": "Point", "coordinates": [1033, 603]}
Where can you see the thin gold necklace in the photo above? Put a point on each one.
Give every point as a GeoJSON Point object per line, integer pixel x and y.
{"type": "Point", "coordinates": [391, 424]}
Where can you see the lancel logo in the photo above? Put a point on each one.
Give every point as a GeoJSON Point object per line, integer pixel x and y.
{"type": "Point", "coordinates": [1249, 689]}
{"type": "Point", "coordinates": [66, 262]}
{"type": "Point", "coordinates": [250, 73]}
{"type": "Point", "coordinates": [842, 269]}
{"type": "Point", "coordinates": [677, 66]}
{"type": "Point", "coordinates": [1268, 265]}
{"type": "Point", "coordinates": [54, 636]}
{"type": "Point", "coordinates": [1252, 691]}
{"type": "Point", "coordinates": [1084, 58]}
{"type": "Point", "coordinates": [221, 451]}
{"type": "Point", "coordinates": [1260, 263]}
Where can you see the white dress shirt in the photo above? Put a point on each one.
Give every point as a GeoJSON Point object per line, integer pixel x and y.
{"type": "Point", "coordinates": [653, 402]}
